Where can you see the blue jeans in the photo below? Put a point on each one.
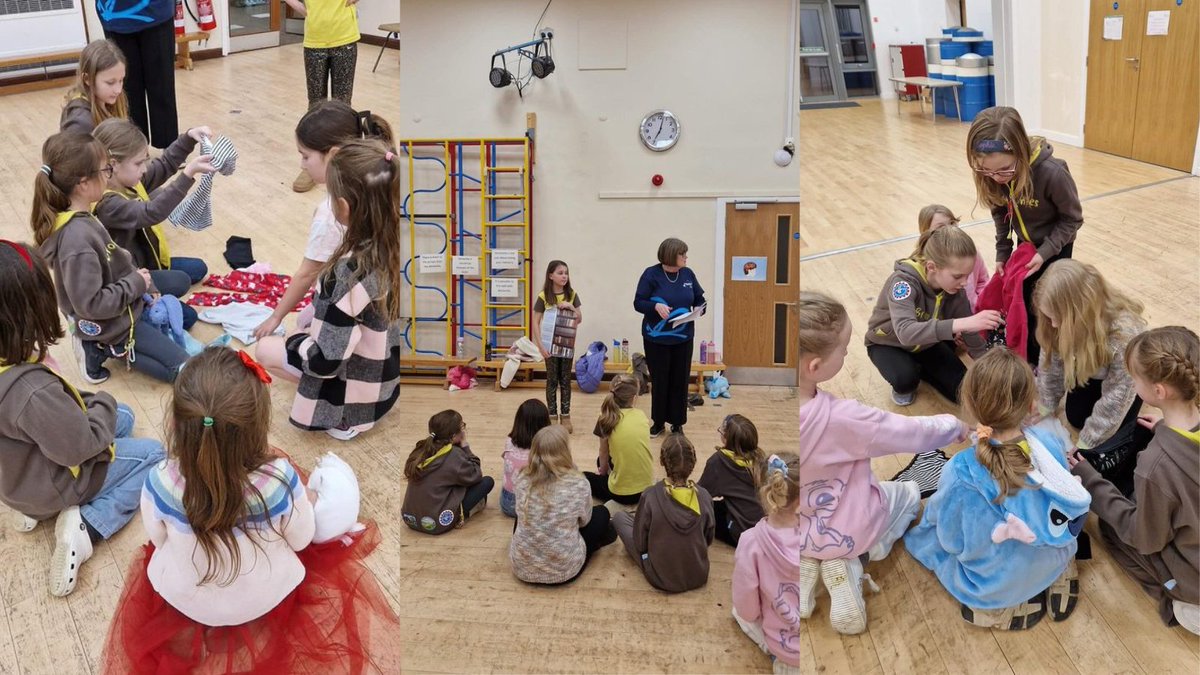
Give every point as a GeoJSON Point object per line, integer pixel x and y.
{"type": "Point", "coordinates": [120, 496]}
{"type": "Point", "coordinates": [508, 503]}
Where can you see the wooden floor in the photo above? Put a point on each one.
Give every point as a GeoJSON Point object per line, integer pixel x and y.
{"type": "Point", "coordinates": [866, 173]}
{"type": "Point", "coordinates": [256, 99]}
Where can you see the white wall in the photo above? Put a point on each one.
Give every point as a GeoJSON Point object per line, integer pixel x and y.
{"type": "Point", "coordinates": [720, 68]}
{"type": "Point", "coordinates": [910, 22]}
{"type": "Point", "coordinates": [371, 13]}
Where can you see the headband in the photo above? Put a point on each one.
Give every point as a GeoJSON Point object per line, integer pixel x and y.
{"type": "Point", "coordinates": [20, 251]}
{"type": "Point", "coordinates": [996, 145]}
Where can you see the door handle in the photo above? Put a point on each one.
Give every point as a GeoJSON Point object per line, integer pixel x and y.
{"type": "Point", "coordinates": [1135, 61]}
{"type": "Point", "coordinates": [1132, 58]}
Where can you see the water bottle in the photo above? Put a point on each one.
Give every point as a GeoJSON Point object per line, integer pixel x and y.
{"type": "Point", "coordinates": [624, 350]}
{"type": "Point", "coordinates": [458, 347]}
{"type": "Point", "coordinates": [703, 351]}
{"type": "Point", "coordinates": [616, 350]}
{"type": "Point", "coordinates": [715, 353]}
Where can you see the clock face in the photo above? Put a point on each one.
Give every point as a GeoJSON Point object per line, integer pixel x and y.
{"type": "Point", "coordinates": [659, 130]}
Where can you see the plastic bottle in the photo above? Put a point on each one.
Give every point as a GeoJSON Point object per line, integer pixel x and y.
{"type": "Point", "coordinates": [458, 347]}
{"type": "Point", "coordinates": [714, 353]}
{"type": "Point", "coordinates": [624, 350]}
{"type": "Point", "coordinates": [616, 351]}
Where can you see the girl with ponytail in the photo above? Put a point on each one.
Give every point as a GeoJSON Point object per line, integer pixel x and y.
{"type": "Point", "coordinates": [446, 485]}
{"type": "Point", "coordinates": [624, 467]}
{"type": "Point", "coordinates": [231, 575]}
{"type": "Point", "coordinates": [766, 566]}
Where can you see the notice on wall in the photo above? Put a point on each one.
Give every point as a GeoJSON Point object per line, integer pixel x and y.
{"type": "Point", "coordinates": [505, 288]}
{"type": "Point", "coordinates": [1113, 25]}
{"type": "Point", "coordinates": [505, 259]}
{"type": "Point", "coordinates": [464, 265]}
{"type": "Point", "coordinates": [1157, 22]}
{"type": "Point", "coordinates": [430, 263]}
{"type": "Point", "coordinates": [748, 268]}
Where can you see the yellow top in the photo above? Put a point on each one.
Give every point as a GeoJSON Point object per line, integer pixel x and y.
{"type": "Point", "coordinates": [629, 448]}
{"type": "Point", "coordinates": [1193, 436]}
{"type": "Point", "coordinates": [330, 23]}
{"type": "Point", "coordinates": [685, 495]}
{"type": "Point", "coordinates": [162, 249]}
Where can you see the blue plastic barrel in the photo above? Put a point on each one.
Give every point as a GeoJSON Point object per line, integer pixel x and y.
{"type": "Point", "coordinates": [985, 48]}
{"type": "Point", "coordinates": [972, 72]}
{"type": "Point", "coordinates": [991, 80]}
{"type": "Point", "coordinates": [949, 32]}
{"type": "Point", "coordinates": [950, 51]}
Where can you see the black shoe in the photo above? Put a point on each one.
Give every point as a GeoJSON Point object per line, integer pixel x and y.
{"type": "Point", "coordinates": [657, 430]}
{"type": "Point", "coordinates": [677, 429]}
{"type": "Point", "coordinates": [92, 365]}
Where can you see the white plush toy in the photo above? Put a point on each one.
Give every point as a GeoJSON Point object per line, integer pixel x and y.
{"type": "Point", "coordinates": [336, 509]}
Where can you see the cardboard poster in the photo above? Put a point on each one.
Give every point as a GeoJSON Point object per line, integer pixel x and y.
{"type": "Point", "coordinates": [562, 344]}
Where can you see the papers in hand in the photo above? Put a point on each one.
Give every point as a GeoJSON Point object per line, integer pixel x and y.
{"type": "Point", "coordinates": [696, 313]}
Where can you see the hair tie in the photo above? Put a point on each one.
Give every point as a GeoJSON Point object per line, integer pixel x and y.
{"type": "Point", "coordinates": [208, 421]}
{"type": "Point", "coordinates": [388, 156]}
{"type": "Point", "coordinates": [254, 367]}
{"type": "Point", "coordinates": [20, 251]}
{"type": "Point", "coordinates": [46, 170]}
{"type": "Point", "coordinates": [984, 432]}
{"type": "Point", "coordinates": [996, 145]}
{"type": "Point", "coordinates": [777, 465]}
{"type": "Point", "coordinates": [364, 123]}
{"type": "Point", "coordinates": [432, 436]}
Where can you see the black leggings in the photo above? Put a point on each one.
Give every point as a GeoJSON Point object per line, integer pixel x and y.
{"type": "Point", "coordinates": [558, 379]}
{"type": "Point", "coordinates": [670, 366]}
{"type": "Point", "coordinates": [333, 65]}
{"type": "Point", "coordinates": [475, 494]}
{"type": "Point", "coordinates": [597, 534]}
{"type": "Point", "coordinates": [1032, 348]}
{"type": "Point", "coordinates": [1116, 457]}
{"type": "Point", "coordinates": [600, 489]}
{"type": "Point", "coordinates": [725, 530]}
{"type": "Point", "coordinates": [150, 81]}
{"type": "Point", "coordinates": [904, 369]}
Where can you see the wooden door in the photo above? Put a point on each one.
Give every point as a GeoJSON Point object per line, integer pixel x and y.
{"type": "Point", "coordinates": [1164, 130]}
{"type": "Point", "coordinates": [1112, 77]}
{"type": "Point", "coordinates": [761, 341]}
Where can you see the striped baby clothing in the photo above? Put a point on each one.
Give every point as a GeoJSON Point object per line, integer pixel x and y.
{"type": "Point", "coordinates": [195, 212]}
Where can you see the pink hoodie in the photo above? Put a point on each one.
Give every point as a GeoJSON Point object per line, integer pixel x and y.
{"type": "Point", "coordinates": [978, 279]}
{"type": "Point", "coordinates": [766, 567]}
{"type": "Point", "coordinates": [842, 509]}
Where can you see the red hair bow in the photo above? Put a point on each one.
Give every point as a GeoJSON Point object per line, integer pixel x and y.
{"type": "Point", "coordinates": [254, 367]}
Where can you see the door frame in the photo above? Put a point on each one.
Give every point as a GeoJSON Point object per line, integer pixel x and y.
{"type": "Point", "coordinates": [833, 53]}
{"type": "Point", "coordinates": [262, 40]}
{"type": "Point", "coordinates": [717, 299]}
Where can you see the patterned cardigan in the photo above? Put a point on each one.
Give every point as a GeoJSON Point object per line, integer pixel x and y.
{"type": "Point", "coordinates": [349, 357]}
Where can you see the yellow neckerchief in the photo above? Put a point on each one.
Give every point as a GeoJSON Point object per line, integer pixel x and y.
{"type": "Point", "coordinates": [685, 495]}
{"type": "Point", "coordinates": [1193, 436]}
{"type": "Point", "coordinates": [112, 448]}
{"type": "Point", "coordinates": [161, 250]}
{"type": "Point", "coordinates": [740, 461]}
{"type": "Point", "coordinates": [428, 460]}
{"type": "Point", "coordinates": [937, 302]}
{"type": "Point", "coordinates": [1013, 200]}
{"type": "Point", "coordinates": [546, 301]}
{"type": "Point", "coordinates": [60, 221]}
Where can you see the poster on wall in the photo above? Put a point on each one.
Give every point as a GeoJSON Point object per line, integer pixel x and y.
{"type": "Point", "coordinates": [505, 288]}
{"type": "Point", "coordinates": [1157, 22]}
{"type": "Point", "coordinates": [505, 259]}
{"type": "Point", "coordinates": [749, 268]}
{"type": "Point", "coordinates": [429, 263]}
{"type": "Point", "coordinates": [464, 265]}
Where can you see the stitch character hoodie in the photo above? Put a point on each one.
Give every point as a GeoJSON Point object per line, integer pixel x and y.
{"type": "Point", "coordinates": [766, 586]}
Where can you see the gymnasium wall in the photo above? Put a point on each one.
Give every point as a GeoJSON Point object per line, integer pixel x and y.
{"type": "Point", "coordinates": [903, 23]}
{"type": "Point", "coordinates": [719, 66]}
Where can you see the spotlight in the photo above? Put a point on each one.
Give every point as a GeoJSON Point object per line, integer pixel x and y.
{"type": "Point", "coordinates": [500, 78]}
{"type": "Point", "coordinates": [542, 66]}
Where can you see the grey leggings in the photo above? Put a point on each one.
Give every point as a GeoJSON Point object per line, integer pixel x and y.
{"type": "Point", "coordinates": [333, 65]}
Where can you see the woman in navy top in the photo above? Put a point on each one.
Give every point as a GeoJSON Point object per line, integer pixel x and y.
{"type": "Point", "coordinates": [665, 291]}
{"type": "Point", "coordinates": [144, 30]}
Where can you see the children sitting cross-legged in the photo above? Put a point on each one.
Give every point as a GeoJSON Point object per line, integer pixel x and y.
{"type": "Point", "coordinates": [731, 476]}
{"type": "Point", "coordinates": [1000, 532]}
{"type": "Point", "coordinates": [1156, 539]}
{"type": "Point", "coordinates": [674, 525]}
{"type": "Point", "coordinates": [445, 483]}
{"type": "Point", "coordinates": [847, 516]}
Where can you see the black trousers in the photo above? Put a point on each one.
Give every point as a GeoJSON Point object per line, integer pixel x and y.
{"type": "Point", "coordinates": [1116, 457]}
{"type": "Point", "coordinates": [670, 366]}
{"type": "Point", "coordinates": [724, 531]}
{"type": "Point", "coordinates": [1032, 348]}
{"type": "Point", "coordinates": [599, 485]}
{"type": "Point", "coordinates": [904, 369]}
{"type": "Point", "coordinates": [475, 494]}
{"type": "Point", "coordinates": [150, 81]}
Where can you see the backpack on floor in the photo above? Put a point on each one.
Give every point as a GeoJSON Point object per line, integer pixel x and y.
{"type": "Point", "coordinates": [589, 369]}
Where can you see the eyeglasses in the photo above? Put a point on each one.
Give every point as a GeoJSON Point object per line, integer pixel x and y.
{"type": "Point", "coordinates": [107, 171]}
{"type": "Point", "coordinates": [1002, 173]}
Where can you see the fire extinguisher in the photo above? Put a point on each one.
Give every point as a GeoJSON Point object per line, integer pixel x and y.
{"type": "Point", "coordinates": [179, 17]}
{"type": "Point", "coordinates": [205, 9]}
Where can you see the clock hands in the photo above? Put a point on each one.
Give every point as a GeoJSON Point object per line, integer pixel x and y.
{"type": "Point", "coordinates": [660, 126]}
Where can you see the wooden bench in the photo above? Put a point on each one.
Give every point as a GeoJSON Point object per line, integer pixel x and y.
{"type": "Point", "coordinates": [427, 369]}
{"type": "Point", "coordinates": [183, 57]}
{"type": "Point", "coordinates": [43, 60]}
{"type": "Point", "coordinates": [526, 370]}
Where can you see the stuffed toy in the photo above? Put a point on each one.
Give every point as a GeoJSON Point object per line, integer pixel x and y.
{"type": "Point", "coordinates": [336, 508]}
{"type": "Point", "coordinates": [166, 314]}
{"type": "Point", "coordinates": [461, 377]}
{"type": "Point", "coordinates": [718, 386]}
{"type": "Point", "coordinates": [995, 556]}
